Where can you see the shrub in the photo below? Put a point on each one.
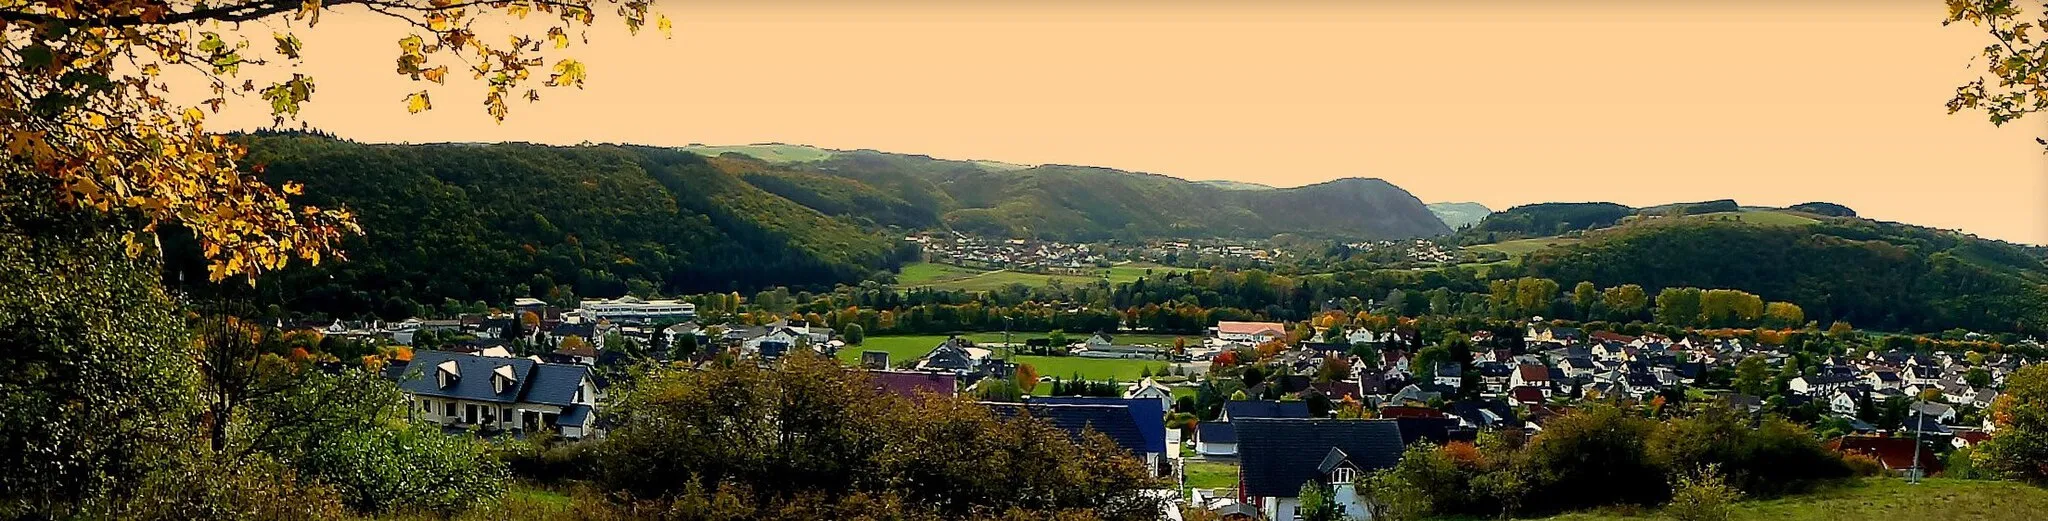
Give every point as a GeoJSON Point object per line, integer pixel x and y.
{"type": "Point", "coordinates": [1703, 496]}
{"type": "Point", "coordinates": [256, 489]}
{"type": "Point", "coordinates": [1863, 466]}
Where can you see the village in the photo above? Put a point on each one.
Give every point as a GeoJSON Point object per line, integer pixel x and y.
{"type": "Point", "coordinates": [1239, 418]}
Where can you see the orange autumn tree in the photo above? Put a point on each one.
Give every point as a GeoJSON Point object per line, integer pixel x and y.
{"type": "Point", "coordinates": [87, 90]}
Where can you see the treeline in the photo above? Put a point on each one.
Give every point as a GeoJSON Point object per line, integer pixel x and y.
{"type": "Point", "coordinates": [1876, 275]}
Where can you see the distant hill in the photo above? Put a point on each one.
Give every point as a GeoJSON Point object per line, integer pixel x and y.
{"type": "Point", "coordinates": [1067, 202]}
{"type": "Point", "coordinates": [1543, 219]}
{"type": "Point", "coordinates": [1458, 215]}
{"type": "Point", "coordinates": [497, 222]}
{"type": "Point", "coordinates": [1227, 184]}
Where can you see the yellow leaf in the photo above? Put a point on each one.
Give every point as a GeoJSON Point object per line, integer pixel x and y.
{"type": "Point", "coordinates": [417, 102]}
{"type": "Point", "coordinates": [560, 37]}
{"type": "Point", "coordinates": [411, 44]}
{"type": "Point", "coordinates": [667, 29]}
{"type": "Point", "coordinates": [437, 74]}
{"type": "Point", "coordinates": [193, 116]}
{"type": "Point", "coordinates": [294, 188]}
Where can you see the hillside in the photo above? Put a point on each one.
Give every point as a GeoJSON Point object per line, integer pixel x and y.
{"type": "Point", "coordinates": [1458, 215]}
{"type": "Point", "coordinates": [1872, 274]}
{"type": "Point", "coordinates": [496, 222]}
{"type": "Point", "coordinates": [1078, 203]}
{"type": "Point", "coordinates": [1067, 202]}
{"type": "Point", "coordinates": [1543, 219]}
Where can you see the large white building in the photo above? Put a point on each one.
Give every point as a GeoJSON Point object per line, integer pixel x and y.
{"type": "Point", "coordinates": [499, 394]}
{"type": "Point", "coordinates": [630, 308]}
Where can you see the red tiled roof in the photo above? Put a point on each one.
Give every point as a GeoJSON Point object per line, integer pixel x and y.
{"type": "Point", "coordinates": [1606, 336]}
{"type": "Point", "coordinates": [1527, 395]}
{"type": "Point", "coordinates": [909, 384]}
{"type": "Point", "coordinates": [1534, 373]}
{"type": "Point", "coordinates": [1895, 453]}
{"type": "Point", "coordinates": [1403, 411]}
{"type": "Point", "coordinates": [1250, 328]}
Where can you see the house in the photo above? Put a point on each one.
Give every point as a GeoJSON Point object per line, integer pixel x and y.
{"type": "Point", "coordinates": [1113, 420]}
{"type": "Point", "coordinates": [955, 355]}
{"type": "Point", "coordinates": [1535, 376]}
{"type": "Point", "coordinates": [1528, 395]}
{"type": "Point", "coordinates": [1969, 438]}
{"type": "Point", "coordinates": [1248, 332]}
{"type": "Point", "coordinates": [1896, 454]}
{"type": "Point", "coordinates": [1822, 384]}
{"type": "Point", "coordinates": [1146, 414]}
{"type": "Point", "coordinates": [1846, 402]}
{"type": "Point", "coordinates": [1279, 455]}
{"type": "Point", "coordinates": [1577, 366]}
{"type": "Point", "coordinates": [874, 359]}
{"type": "Point", "coordinates": [1220, 437]}
{"type": "Point", "coordinates": [498, 394]}
{"type": "Point", "coordinates": [1449, 374]}
{"type": "Point", "coordinates": [1496, 377]}
{"type": "Point", "coordinates": [1938, 411]}
{"type": "Point", "coordinates": [635, 309]}
{"type": "Point", "coordinates": [915, 384]}
{"type": "Point", "coordinates": [1487, 415]}
{"type": "Point", "coordinates": [1151, 390]}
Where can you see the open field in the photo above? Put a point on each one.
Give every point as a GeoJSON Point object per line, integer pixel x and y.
{"type": "Point", "coordinates": [947, 276]}
{"type": "Point", "coordinates": [1519, 247]}
{"type": "Point", "coordinates": [1211, 474]}
{"type": "Point", "coordinates": [1764, 217]}
{"type": "Point", "coordinates": [773, 153]}
{"type": "Point", "coordinates": [906, 347]}
{"type": "Point", "coordinates": [1889, 500]}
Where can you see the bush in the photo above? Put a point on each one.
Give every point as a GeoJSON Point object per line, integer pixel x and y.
{"type": "Point", "coordinates": [1704, 496]}
{"type": "Point", "coordinates": [417, 467]}
{"type": "Point", "coordinates": [257, 489]}
{"type": "Point", "coordinates": [1863, 466]}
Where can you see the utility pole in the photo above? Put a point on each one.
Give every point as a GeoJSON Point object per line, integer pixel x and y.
{"type": "Point", "coordinates": [1010, 350]}
{"type": "Point", "coordinates": [1919, 424]}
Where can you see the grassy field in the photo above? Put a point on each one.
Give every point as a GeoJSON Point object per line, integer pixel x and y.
{"type": "Point", "coordinates": [1889, 500]}
{"type": "Point", "coordinates": [773, 153]}
{"type": "Point", "coordinates": [1519, 247]}
{"type": "Point", "coordinates": [947, 276]}
{"type": "Point", "coordinates": [1211, 474]}
{"type": "Point", "coordinates": [1764, 217]}
{"type": "Point", "coordinates": [906, 347]}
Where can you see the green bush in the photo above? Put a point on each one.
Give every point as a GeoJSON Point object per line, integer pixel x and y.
{"type": "Point", "coordinates": [416, 467]}
{"type": "Point", "coordinates": [1701, 496]}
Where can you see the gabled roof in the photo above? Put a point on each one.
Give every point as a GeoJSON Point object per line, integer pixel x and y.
{"type": "Point", "coordinates": [1277, 455]}
{"type": "Point", "coordinates": [1113, 421]}
{"type": "Point", "coordinates": [1216, 432]}
{"type": "Point", "coordinates": [1241, 409]}
{"type": "Point", "coordinates": [1145, 412]}
{"type": "Point", "coordinates": [1894, 453]}
{"type": "Point", "coordinates": [1534, 373]}
{"type": "Point", "coordinates": [533, 382]}
{"type": "Point", "coordinates": [1249, 328]}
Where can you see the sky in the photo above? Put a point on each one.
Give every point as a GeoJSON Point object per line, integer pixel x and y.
{"type": "Point", "coordinates": [1498, 102]}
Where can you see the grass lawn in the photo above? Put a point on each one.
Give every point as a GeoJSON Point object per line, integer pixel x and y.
{"type": "Point", "coordinates": [1888, 500]}
{"type": "Point", "coordinates": [1091, 368]}
{"type": "Point", "coordinates": [1211, 474]}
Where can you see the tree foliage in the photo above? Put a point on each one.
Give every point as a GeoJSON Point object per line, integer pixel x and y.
{"type": "Point", "coordinates": [2015, 63]}
{"type": "Point", "coordinates": [2019, 448]}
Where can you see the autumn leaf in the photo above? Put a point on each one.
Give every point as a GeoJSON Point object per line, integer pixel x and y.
{"type": "Point", "coordinates": [559, 37]}
{"type": "Point", "coordinates": [416, 102]}
{"type": "Point", "coordinates": [287, 45]}
{"type": "Point", "coordinates": [667, 29]}
{"type": "Point", "coordinates": [567, 72]}
{"type": "Point", "coordinates": [436, 74]}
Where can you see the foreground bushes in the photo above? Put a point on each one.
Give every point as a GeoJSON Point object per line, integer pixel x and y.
{"type": "Point", "coordinates": [1606, 456]}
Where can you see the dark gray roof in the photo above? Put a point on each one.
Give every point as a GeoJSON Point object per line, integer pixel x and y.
{"type": "Point", "coordinates": [1264, 409]}
{"type": "Point", "coordinates": [1277, 455]}
{"type": "Point", "coordinates": [552, 384]}
{"type": "Point", "coordinates": [1145, 412]}
{"type": "Point", "coordinates": [1332, 460]}
{"type": "Point", "coordinates": [573, 415]}
{"type": "Point", "coordinates": [1113, 421]}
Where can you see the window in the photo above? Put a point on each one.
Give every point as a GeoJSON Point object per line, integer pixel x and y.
{"type": "Point", "coordinates": [426, 406]}
{"type": "Point", "coordinates": [1343, 475]}
{"type": "Point", "coordinates": [450, 408]}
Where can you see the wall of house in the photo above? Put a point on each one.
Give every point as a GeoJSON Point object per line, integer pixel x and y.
{"type": "Point", "coordinates": [439, 412]}
{"type": "Point", "coordinates": [1216, 449]}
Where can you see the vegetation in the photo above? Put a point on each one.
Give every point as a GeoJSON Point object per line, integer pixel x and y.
{"type": "Point", "coordinates": [811, 439]}
{"type": "Point", "coordinates": [2015, 63]}
{"type": "Point", "coordinates": [1459, 215]}
{"type": "Point", "coordinates": [2019, 448]}
{"type": "Point", "coordinates": [1889, 499]}
{"type": "Point", "coordinates": [1544, 219]}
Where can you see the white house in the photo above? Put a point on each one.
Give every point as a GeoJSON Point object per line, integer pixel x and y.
{"type": "Point", "coordinates": [1821, 384]}
{"type": "Point", "coordinates": [631, 308]}
{"type": "Point", "coordinates": [1532, 376]}
{"type": "Point", "coordinates": [1151, 390]}
{"type": "Point", "coordinates": [499, 394]}
{"type": "Point", "coordinates": [1278, 456]}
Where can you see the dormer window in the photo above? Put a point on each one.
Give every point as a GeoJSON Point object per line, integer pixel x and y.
{"type": "Point", "coordinates": [1343, 475]}
{"type": "Point", "coordinates": [446, 374]}
{"type": "Point", "coordinates": [501, 379]}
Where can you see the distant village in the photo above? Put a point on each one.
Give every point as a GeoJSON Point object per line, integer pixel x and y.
{"type": "Point", "coordinates": [1329, 406]}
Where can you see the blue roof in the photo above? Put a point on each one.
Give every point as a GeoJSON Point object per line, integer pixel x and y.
{"type": "Point", "coordinates": [1113, 421]}
{"type": "Point", "coordinates": [1216, 432]}
{"type": "Point", "coordinates": [1264, 409]}
{"type": "Point", "coordinates": [1146, 411]}
{"type": "Point", "coordinates": [573, 416]}
{"type": "Point", "coordinates": [533, 382]}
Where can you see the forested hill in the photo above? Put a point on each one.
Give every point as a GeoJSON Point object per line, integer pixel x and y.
{"type": "Point", "coordinates": [496, 222]}
{"type": "Point", "coordinates": [1873, 274]}
{"type": "Point", "coordinates": [1066, 202]}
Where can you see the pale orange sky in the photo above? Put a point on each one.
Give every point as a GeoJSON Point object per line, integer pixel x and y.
{"type": "Point", "coordinates": [1502, 103]}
